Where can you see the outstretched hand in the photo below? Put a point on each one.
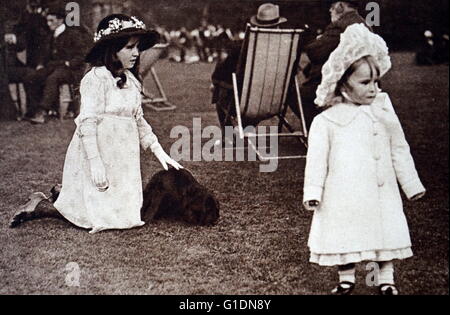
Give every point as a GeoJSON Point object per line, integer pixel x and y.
{"type": "Point", "coordinates": [165, 159]}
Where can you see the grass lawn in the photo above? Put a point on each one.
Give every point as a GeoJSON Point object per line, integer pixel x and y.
{"type": "Point", "coordinates": [259, 245]}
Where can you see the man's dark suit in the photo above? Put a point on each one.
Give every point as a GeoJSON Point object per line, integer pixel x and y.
{"type": "Point", "coordinates": [32, 27]}
{"type": "Point", "coordinates": [318, 52]}
{"type": "Point", "coordinates": [64, 63]}
{"type": "Point", "coordinates": [15, 68]}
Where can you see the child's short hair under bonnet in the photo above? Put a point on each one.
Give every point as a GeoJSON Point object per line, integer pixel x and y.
{"type": "Point", "coordinates": [357, 42]}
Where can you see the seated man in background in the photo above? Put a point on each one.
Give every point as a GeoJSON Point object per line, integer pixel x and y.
{"type": "Point", "coordinates": [33, 29]}
{"type": "Point", "coordinates": [15, 69]}
{"type": "Point", "coordinates": [26, 34]}
{"type": "Point", "coordinates": [343, 14]}
{"type": "Point", "coordinates": [63, 63]}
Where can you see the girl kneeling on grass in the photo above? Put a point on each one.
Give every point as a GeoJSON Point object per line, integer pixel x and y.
{"type": "Point", "coordinates": [102, 185]}
{"type": "Point", "coordinates": [357, 151]}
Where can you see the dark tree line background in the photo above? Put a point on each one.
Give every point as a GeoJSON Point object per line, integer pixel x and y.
{"type": "Point", "coordinates": [402, 22]}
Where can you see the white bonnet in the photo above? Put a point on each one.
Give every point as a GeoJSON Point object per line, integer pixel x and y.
{"type": "Point", "coordinates": [356, 42]}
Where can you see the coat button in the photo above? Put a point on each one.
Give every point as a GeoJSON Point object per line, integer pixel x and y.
{"type": "Point", "coordinates": [377, 157]}
{"type": "Point", "coordinates": [380, 183]}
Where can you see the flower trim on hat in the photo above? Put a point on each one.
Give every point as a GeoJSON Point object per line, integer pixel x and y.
{"type": "Point", "coordinates": [116, 26]}
{"type": "Point", "coordinates": [356, 42]}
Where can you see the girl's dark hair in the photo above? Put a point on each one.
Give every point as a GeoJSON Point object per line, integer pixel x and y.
{"type": "Point", "coordinates": [343, 82]}
{"type": "Point", "coordinates": [113, 64]}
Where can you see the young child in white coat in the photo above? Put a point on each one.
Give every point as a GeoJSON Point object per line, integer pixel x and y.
{"type": "Point", "coordinates": [357, 152]}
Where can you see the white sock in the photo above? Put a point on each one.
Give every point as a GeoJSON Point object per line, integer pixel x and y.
{"type": "Point", "coordinates": [347, 275]}
{"type": "Point", "coordinates": [386, 272]}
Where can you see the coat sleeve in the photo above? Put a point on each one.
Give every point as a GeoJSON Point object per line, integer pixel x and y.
{"type": "Point", "coordinates": [316, 169]}
{"type": "Point", "coordinates": [146, 136]}
{"type": "Point", "coordinates": [402, 159]}
{"type": "Point", "coordinates": [92, 90]}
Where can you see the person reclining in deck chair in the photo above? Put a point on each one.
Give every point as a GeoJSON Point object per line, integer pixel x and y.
{"type": "Point", "coordinates": [222, 86]}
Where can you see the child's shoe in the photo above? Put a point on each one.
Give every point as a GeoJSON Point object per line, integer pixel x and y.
{"type": "Point", "coordinates": [387, 289]}
{"type": "Point", "coordinates": [343, 288]}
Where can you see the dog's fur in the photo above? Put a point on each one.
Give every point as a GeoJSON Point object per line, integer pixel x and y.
{"type": "Point", "coordinates": [178, 194]}
{"type": "Point", "coordinates": [172, 193]}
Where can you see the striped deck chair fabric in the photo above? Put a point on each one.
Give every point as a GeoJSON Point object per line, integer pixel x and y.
{"type": "Point", "coordinates": [264, 83]}
{"type": "Point", "coordinates": [268, 69]}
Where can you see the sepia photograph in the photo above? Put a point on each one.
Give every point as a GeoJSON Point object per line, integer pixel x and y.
{"type": "Point", "coordinates": [224, 153]}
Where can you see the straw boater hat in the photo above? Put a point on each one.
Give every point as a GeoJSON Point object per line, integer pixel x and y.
{"type": "Point", "coordinates": [356, 42]}
{"type": "Point", "coordinates": [118, 26]}
{"type": "Point", "coordinates": [268, 15]}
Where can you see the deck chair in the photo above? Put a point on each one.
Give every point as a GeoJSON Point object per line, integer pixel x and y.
{"type": "Point", "coordinates": [265, 82]}
{"type": "Point", "coordinates": [150, 57]}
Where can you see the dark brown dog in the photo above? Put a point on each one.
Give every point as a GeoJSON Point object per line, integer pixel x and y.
{"type": "Point", "coordinates": [175, 193]}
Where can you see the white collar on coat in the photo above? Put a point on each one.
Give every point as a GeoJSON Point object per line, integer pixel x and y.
{"type": "Point", "coordinates": [59, 30]}
{"type": "Point", "coordinates": [343, 114]}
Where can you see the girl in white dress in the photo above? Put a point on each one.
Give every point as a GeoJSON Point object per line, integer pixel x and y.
{"type": "Point", "coordinates": [357, 152]}
{"type": "Point", "coordinates": [101, 186]}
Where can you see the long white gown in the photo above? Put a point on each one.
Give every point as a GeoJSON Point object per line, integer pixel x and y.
{"type": "Point", "coordinates": [121, 127]}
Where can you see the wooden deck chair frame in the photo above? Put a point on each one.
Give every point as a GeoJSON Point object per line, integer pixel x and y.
{"type": "Point", "coordinates": [153, 55]}
{"type": "Point", "coordinates": [267, 96]}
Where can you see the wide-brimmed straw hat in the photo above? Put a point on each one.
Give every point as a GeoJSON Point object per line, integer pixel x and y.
{"type": "Point", "coordinates": [356, 42]}
{"type": "Point", "coordinates": [117, 26]}
{"type": "Point", "coordinates": [268, 15]}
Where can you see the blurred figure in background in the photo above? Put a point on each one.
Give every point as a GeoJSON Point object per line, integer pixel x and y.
{"type": "Point", "coordinates": [342, 14]}
{"type": "Point", "coordinates": [427, 51]}
{"type": "Point", "coordinates": [28, 34]}
{"type": "Point", "coordinates": [62, 63]}
{"type": "Point", "coordinates": [32, 27]}
{"type": "Point", "coordinates": [15, 69]}
{"type": "Point", "coordinates": [224, 38]}
{"type": "Point", "coordinates": [184, 43]}
{"type": "Point", "coordinates": [203, 45]}
{"type": "Point", "coordinates": [443, 49]}
{"type": "Point", "coordinates": [163, 33]}
{"type": "Point", "coordinates": [198, 44]}
{"type": "Point", "coordinates": [7, 108]}
{"type": "Point", "coordinates": [433, 49]}
{"type": "Point", "coordinates": [206, 33]}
